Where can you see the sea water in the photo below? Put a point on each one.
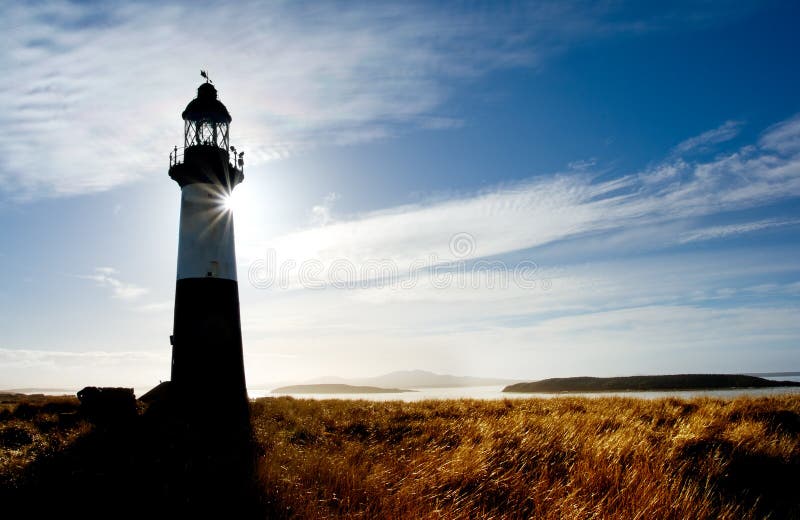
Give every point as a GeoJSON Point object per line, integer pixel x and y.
{"type": "Point", "coordinates": [486, 392]}
{"type": "Point", "coordinates": [496, 392]}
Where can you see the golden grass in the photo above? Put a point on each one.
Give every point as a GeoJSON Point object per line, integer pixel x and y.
{"type": "Point", "coordinates": [565, 458]}
{"type": "Point", "coordinates": [543, 458]}
{"type": "Point", "coordinates": [33, 427]}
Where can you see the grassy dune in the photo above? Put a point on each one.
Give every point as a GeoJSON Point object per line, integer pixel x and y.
{"type": "Point", "coordinates": [34, 427]}
{"type": "Point", "coordinates": [557, 458]}
{"type": "Point", "coordinates": [539, 458]}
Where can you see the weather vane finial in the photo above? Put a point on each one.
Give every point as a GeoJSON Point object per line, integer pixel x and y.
{"type": "Point", "coordinates": [205, 75]}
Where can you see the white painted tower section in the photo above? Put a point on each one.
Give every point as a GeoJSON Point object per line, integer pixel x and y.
{"type": "Point", "coordinates": [205, 241]}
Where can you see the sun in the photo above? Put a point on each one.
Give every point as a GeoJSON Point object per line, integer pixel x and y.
{"type": "Point", "coordinates": [231, 202]}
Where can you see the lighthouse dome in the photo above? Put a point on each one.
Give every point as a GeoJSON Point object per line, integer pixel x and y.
{"type": "Point", "coordinates": [206, 107]}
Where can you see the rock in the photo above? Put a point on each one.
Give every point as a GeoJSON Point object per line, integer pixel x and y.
{"type": "Point", "coordinates": [107, 404]}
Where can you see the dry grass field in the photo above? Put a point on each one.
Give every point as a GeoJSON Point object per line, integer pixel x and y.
{"type": "Point", "coordinates": [540, 458]}
{"type": "Point", "coordinates": [33, 428]}
{"type": "Point", "coordinates": [545, 458]}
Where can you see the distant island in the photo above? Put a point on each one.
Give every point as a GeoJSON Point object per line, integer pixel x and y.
{"type": "Point", "coordinates": [401, 379]}
{"type": "Point", "coordinates": [647, 383]}
{"type": "Point", "coordinates": [336, 389]}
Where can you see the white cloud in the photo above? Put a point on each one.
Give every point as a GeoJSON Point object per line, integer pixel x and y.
{"type": "Point", "coordinates": [664, 339]}
{"type": "Point", "coordinates": [159, 307]}
{"type": "Point", "coordinates": [321, 213]}
{"type": "Point", "coordinates": [783, 137]}
{"type": "Point", "coordinates": [28, 368]}
{"type": "Point", "coordinates": [582, 165]}
{"type": "Point", "coordinates": [642, 337]}
{"type": "Point", "coordinates": [725, 132]}
{"type": "Point", "coordinates": [588, 286]}
{"type": "Point", "coordinates": [105, 277]}
{"type": "Point", "coordinates": [715, 232]}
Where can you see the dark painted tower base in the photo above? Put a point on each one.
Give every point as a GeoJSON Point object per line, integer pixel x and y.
{"type": "Point", "coordinates": [207, 363]}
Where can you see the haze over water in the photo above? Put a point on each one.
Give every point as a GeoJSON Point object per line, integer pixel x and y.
{"type": "Point", "coordinates": [496, 392]}
{"type": "Point", "coordinates": [476, 392]}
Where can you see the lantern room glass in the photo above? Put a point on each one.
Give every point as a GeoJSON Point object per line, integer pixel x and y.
{"type": "Point", "coordinates": [206, 133]}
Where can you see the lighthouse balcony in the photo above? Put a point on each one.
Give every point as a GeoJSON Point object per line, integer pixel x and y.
{"type": "Point", "coordinates": [206, 163]}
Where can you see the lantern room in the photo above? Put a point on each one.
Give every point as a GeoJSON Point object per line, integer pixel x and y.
{"type": "Point", "coordinates": [206, 155]}
{"type": "Point", "coordinates": [206, 120]}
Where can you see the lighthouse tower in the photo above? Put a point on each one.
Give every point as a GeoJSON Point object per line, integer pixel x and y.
{"type": "Point", "coordinates": [207, 335]}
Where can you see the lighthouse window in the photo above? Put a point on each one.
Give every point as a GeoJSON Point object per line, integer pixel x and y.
{"type": "Point", "coordinates": [223, 128]}
{"type": "Point", "coordinates": [213, 269]}
{"type": "Point", "coordinates": [207, 133]}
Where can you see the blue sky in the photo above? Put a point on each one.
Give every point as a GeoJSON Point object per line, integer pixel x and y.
{"type": "Point", "coordinates": [645, 158]}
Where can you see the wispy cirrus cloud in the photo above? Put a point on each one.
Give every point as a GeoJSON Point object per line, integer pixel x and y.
{"type": "Point", "coordinates": [783, 137]}
{"type": "Point", "coordinates": [548, 209]}
{"type": "Point", "coordinates": [98, 87]}
{"type": "Point", "coordinates": [715, 232]}
{"type": "Point", "coordinates": [703, 142]}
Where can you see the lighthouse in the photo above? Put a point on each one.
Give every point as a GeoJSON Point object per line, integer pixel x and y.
{"type": "Point", "coordinates": [207, 363]}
